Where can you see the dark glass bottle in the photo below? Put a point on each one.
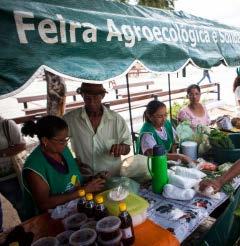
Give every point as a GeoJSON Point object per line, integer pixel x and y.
{"type": "Point", "coordinates": [89, 206]}
{"type": "Point", "coordinates": [126, 227]}
{"type": "Point", "coordinates": [81, 202]}
{"type": "Point", "coordinates": [100, 210]}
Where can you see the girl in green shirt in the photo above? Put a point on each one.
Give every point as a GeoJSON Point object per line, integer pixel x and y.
{"type": "Point", "coordinates": [157, 130]}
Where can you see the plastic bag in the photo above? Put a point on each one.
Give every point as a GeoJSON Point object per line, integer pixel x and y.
{"type": "Point", "coordinates": [135, 167]}
{"type": "Point", "coordinates": [182, 182]}
{"type": "Point", "coordinates": [174, 192]}
{"type": "Point", "coordinates": [224, 122]}
{"type": "Point", "coordinates": [184, 131]}
{"type": "Point", "coordinates": [192, 173]}
{"type": "Point", "coordinates": [126, 183]}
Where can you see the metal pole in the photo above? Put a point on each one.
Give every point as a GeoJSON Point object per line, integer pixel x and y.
{"type": "Point", "coordinates": [130, 111]}
{"type": "Point", "coordinates": [218, 92]}
{"type": "Point", "coordinates": [169, 96]}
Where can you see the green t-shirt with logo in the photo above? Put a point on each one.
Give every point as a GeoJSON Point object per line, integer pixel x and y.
{"type": "Point", "coordinates": [58, 183]}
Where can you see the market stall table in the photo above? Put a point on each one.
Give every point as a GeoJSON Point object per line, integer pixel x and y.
{"type": "Point", "coordinates": [182, 217]}
{"type": "Point", "coordinates": [147, 233]}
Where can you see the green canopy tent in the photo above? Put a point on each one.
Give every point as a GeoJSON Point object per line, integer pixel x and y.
{"type": "Point", "coordinates": [96, 41]}
{"type": "Point", "coordinates": [99, 40]}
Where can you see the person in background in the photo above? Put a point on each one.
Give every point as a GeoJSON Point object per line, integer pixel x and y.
{"type": "Point", "coordinates": [217, 183]}
{"type": "Point", "coordinates": [50, 171]}
{"type": "Point", "coordinates": [158, 130]}
{"type": "Point", "coordinates": [236, 91]}
{"type": "Point", "coordinates": [11, 144]}
{"type": "Point", "coordinates": [194, 112]}
{"type": "Point", "coordinates": [205, 75]}
{"type": "Point", "coordinates": [99, 136]}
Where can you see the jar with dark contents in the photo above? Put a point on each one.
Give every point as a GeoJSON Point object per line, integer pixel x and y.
{"type": "Point", "coordinates": [89, 206]}
{"type": "Point", "coordinates": [75, 221]}
{"type": "Point", "coordinates": [108, 228]}
{"type": "Point", "coordinates": [63, 238]}
{"type": "Point", "coordinates": [86, 237]}
{"type": "Point", "coordinates": [46, 241]}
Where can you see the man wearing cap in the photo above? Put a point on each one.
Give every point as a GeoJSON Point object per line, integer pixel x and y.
{"type": "Point", "coordinates": [99, 136]}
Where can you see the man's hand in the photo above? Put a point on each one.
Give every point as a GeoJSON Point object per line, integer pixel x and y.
{"type": "Point", "coordinates": [119, 149]}
{"type": "Point", "coordinates": [185, 159]}
{"type": "Point", "coordinates": [215, 184]}
{"type": "Point", "coordinates": [103, 175]}
{"type": "Point", "coordinates": [94, 185]}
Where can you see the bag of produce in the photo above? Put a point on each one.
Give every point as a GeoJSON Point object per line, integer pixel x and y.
{"type": "Point", "coordinates": [174, 192]}
{"type": "Point", "coordinates": [192, 173]}
{"type": "Point", "coordinates": [182, 182]}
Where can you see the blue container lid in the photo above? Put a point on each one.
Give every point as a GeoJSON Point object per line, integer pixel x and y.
{"type": "Point", "coordinates": [158, 150]}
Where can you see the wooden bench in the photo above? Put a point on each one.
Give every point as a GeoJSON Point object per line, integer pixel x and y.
{"type": "Point", "coordinates": [124, 86]}
{"type": "Point", "coordinates": [28, 99]}
{"type": "Point", "coordinates": [137, 101]}
{"type": "Point", "coordinates": [141, 93]}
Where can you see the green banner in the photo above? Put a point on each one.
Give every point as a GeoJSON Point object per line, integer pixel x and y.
{"type": "Point", "coordinates": [97, 40]}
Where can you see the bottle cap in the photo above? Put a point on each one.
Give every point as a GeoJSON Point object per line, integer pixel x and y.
{"type": "Point", "coordinates": [99, 199]}
{"type": "Point", "coordinates": [89, 196]}
{"type": "Point", "coordinates": [122, 207]}
{"type": "Point", "coordinates": [158, 150]}
{"type": "Point", "coordinates": [81, 193]}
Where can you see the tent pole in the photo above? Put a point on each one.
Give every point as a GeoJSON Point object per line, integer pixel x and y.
{"type": "Point", "coordinates": [130, 110]}
{"type": "Point", "coordinates": [169, 96]}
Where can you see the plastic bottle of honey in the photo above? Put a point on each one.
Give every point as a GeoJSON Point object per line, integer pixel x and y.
{"type": "Point", "coordinates": [100, 210]}
{"type": "Point", "coordinates": [81, 202]}
{"type": "Point", "coordinates": [126, 226]}
{"type": "Point", "coordinates": [89, 206]}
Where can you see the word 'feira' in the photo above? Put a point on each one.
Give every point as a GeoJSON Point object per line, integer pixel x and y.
{"type": "Point", "coordinates": [48, 30]}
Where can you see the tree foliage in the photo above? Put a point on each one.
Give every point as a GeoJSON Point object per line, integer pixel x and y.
{"type": "Point", "coordinates": [162, 4]}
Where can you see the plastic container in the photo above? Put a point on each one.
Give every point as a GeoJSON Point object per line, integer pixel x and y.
{"type": "Point", "coordinates": [75, 221]}
{"type": "Point", "coordinates": [157, 166]}
{"type": "Point", "coordinates": [108, 228]}
{"type": "Point", "coordinates": [90, 224]}
{"type": "Point", "coordinates": [189, 148]}
{"type": "Point", "coordinates": [137, 207]}
{"type": "Point", "coordinates": [113, 242]}
{"type": "Point", "coordinates": [46, 241]}
{"type": "Point", "coordinates": [83, 237]}
{"type": "Point", "coordinates": [63, 238]}
{"type": "Point", "coordinates": [228, 155]}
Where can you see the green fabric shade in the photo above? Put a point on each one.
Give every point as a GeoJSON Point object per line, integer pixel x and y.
{"type": "Point", "coordinates": [99, 40]}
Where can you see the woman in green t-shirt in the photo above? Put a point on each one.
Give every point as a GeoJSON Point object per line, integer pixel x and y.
{"type": "Point", "coordinates": [50, 174]}
{"type": "Point", "coordinates": [157, 130]}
